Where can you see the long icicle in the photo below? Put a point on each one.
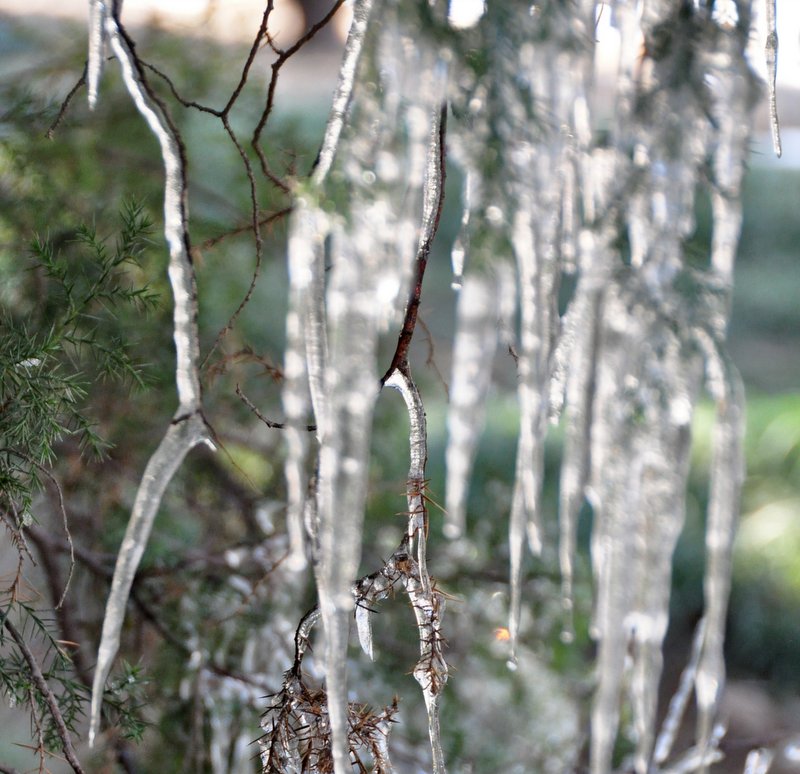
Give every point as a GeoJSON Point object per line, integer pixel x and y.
{"type": "Point", "coordinates": [188, 427]}
{"type": "Point", "coordinates": [306, 347]}
{"type": "Point", "coordinates": [727, 472]}
{"type": "Point", "coordinates": [309, 228]}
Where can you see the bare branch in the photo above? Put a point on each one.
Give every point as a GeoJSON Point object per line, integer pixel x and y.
{"type": "Point", "coordinates": [65, 105]}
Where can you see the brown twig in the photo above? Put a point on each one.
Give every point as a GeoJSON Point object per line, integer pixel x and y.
{"type": "Point", "coordinates": [430, 360]}
{"type": "Point", "coordinates": [65, 105]}
{"type": "Point", "coordinates": [283, 57]}
{"type": "Point", "coordinates": [65, 522]}
{"type": "Point", "coordinates": [268, 422]}
{"type": "Point", "coordinates": [265, 221]}
{"type": "Point", "coordinates": [255, 229]}
{"type": "Point", "coordinates": [400, 358]}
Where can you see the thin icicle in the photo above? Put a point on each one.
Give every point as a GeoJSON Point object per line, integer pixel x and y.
{"type": "Point", "coordinates": [473, 352]}
{"type": "Point", "coordinates": [187, 428]}
{"type": "Point", "coordinates": [724, 384]}
{"type": "Point", "coordinates": [516, 546]}
{"type": "Point", "coordinates": [771, 51]}
{"type": "Point", "coordinates": [697, 757]}
{"type": "Point", "coordinates": [679, 700]}
{"type": "Point", "coordinates": [581, 328]}
{"type": "Point", "coordinates": [364, 629]}
{"type": "Point", "coordinates": [344, 89]}
{"type": "Point", "coordinates": [304, 360]}
{"type": "Point", "coordinates": [536, 283]}
{"type": "Point", "coordinates": [461, 244]}
{"type": "Point", "coordinates": [97, 48]}
{"type": "Point", "coordinates": [758, 761]}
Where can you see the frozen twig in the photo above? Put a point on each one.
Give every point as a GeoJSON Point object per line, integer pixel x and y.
{"type": "Point", "coordinates": [188, 427]}
{"type": "Point", "coordinates": [680, 699]}
{"type": "Point", "coordinates": [771, 50]}
{"type": "Point", "coordinates": [418, 441]}
{"type": "Point", "coordinates": [341, 99]}
{"type": "Point", "coordinates": [98, 11]}
{"type": "Point", "coordinates": [727, 470]}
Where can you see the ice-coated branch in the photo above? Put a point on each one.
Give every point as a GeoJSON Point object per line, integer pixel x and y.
{"type": "Point", "coordinates": [188, 427]}
{"type": "Point", "coordinates": [680, 699]}
{"type": "Point", "coordinates": [428, 604]}
{"type": "Point", "coordinates": [771, 51]}
{"type": "Point", "coordinates": [98, 10]}
{"type": "Point", "coordinates": [344, 90]}
{"type": "Point", "coordinates": [415, 487]}
{"type": "Point", "coordinates": [431, 669]}
{"type": "Point", "coordinates": [727, 471]}
{"type": "Point", "coordinates": [433, 202]}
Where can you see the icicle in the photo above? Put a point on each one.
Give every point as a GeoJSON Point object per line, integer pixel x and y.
{"type": "Point", "coordinates": [461, 243]}
{"type": "Point", "coordinates": [581, 330]}
{"type": "Point", "coordinates": [727, 472]}
{"type": "Point", "coordinates": [696, 758]}
{"type": "Point", "coordinates": [308, 232]}
{"type": "Point", "coordinates": [679, 700]}
{"type": "Point", "coordinates": [97, 45]}
{"type": "Point", "coordinates": [537, 278]}
{"type": "Point", "coordinates": [187, 428]}
{"type": "Point", "coordinates": [364, 629]}
{"type": "Point", "coordinates": [537, 286]}
{"type": "Point", "coordinates": [473, 352]}
{"type": "Point", "coordinates": [771, 50]}
{"type": "Point", "coordinates": [758, 761]}
{"type": "Point", "coordinates": [516, 546]}
{"type": "Point", "coordinates": [344, 89]}
{"type": "Point", "coordinates": [304, 360]}
{"type": "Point", "coordinates": [615, 498]}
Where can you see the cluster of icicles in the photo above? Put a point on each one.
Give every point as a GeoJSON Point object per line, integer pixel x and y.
{"type": "Point", "coordinates": [547, 205]}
